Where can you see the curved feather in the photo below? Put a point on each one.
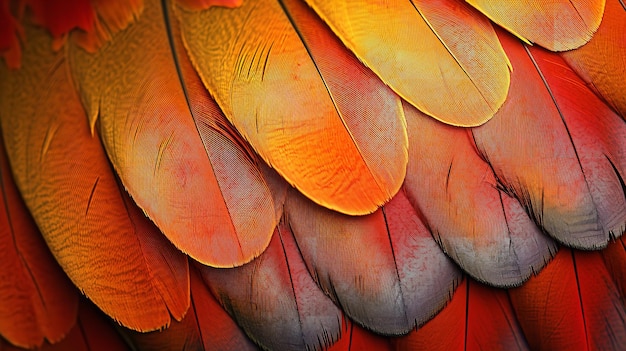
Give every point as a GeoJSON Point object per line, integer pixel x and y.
{"type": "Point", "coordinates": [206, 327]}
{"type": "Point", "coordinates": [557, 25]}
{"type": "Point", "coordinates": [265, 69]}
{"type": "Point", "coordinates": [37, 300]}
{"type": "Point", "coordinates": [104, 243]}
{"type": "Point", "coordinates": [477, 318]}
{"type": "Point", "coordinates": [154, 143]}
{"type": "Point", "coordinates": [367, 265]}
{"type": "Point", "coordinates": [477, 224]}
{"type": "Point", "coordinates": [354, 338]}
{"type": "Point", "coordinates": [275, 300]}
{"type": "Point", "coordinates": [109, 18]}
{"type": "Point", "coordinates": [614, 257]}
{"type": "Point", "coordinates": [602, 62]}
{"type": "Point", "coordinates": [562, 165]}
{"type": "Point", "coordinates": [571, 305]}
{"type": "Point", "coordinates": [458, 79]}
{"type": "Point", "coordinates": [91, 332]}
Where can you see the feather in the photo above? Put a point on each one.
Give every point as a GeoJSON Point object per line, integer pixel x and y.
{"type": "Point", "coordinates": [614, 257]}
{"type": "Point", "coordinates": [92, 331]}
{"type": "Point", "coordinates": [477, 224]}
{"type": "Point", "coordinates": [262, 66]}
{"type": "Point", "coordinates": [463, 79]}
{"type": "Point", "coordinates": [354, 338]}
{"type": "Point", "coordinates": [275, 300]}
{"type": "Point", "coordinates": [10, 30]}
{"type": "Point", "coordinates": [543, 153]}
{"type": "Point", "coordinates": [376, 285]}
{"type": "Point", "coordinates": [37, 300]}
{"type": "Point", "coordinates": [571, 305]}
{"type": "Point", "coordinates": [152, 140]}
{"type": "Point", "coordinates": [104, 243]}
{"type": "Point", "coordinates": [557, 25]}
{"type": "Point", "coordinates": [602, 62]}
{"type": "Point", "coordinates": [206, 327]}
{"type": "Point", "coordinates": [110, 17]}
{"type": "Point", "coordinates": [61, 16]}
{"type": "Point", "coordinates": [477, 318]}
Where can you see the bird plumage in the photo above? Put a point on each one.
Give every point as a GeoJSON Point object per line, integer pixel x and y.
{"type": "Point", "coordinates": [313, 175]}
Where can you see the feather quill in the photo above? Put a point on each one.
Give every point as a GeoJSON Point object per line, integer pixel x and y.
{"type": "Point", "coordinates": [155, 146]}
{"type": "Point", "coordinates": [556, 25]}
{"type": "Point", "coordinates": [542, 152]}
{"type": "Point", "coordinates": [376, 285]}
{"type": "Point", "coordinates": [104, 243]}
{"type": "Point", "coordinates": [478, 225]}
{"type": "Point", "coordinates": [296, 107]}
{"type": "Point", "coordinates": [478, 318]}
{"type": "Point", "coordinates": [458, 79]}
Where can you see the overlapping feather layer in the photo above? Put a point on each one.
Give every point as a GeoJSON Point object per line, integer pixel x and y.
{"type": "Point", "coordinates": [298, 175]}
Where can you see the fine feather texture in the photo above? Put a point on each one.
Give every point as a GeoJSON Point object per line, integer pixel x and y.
{"type": "Point", "coordinates": [556, 25]}
{"type": "Point", "coordinates": [110, 17]}
{"type": "Point", "coordinates": [602, 62]}
{"type": "Point", "coordinates": [291, 107]}
{"type": "Point", "coordinates": [91, 332]}
{"type": "Point", "coordinates": [156, 148]}
{"type": "Point", "coordinates": [377, 286]}
{"type": "Point", "coordinates": [551, 161]}
{"type": "Point", "coordinates": [101, 239]}
{"type": "Point", "coordinates": [206, 327]}
{"type": "Point", "coordinates": [582, 312]}
{"type": "Point", "coordinates": [275, 300]}
{"type": "Point", "coordinates": [458, 79]}
{"type": "Point", "coordinates": [477, 318]}
{"type": "Point", "coordinates": [37, 300]}
{"type": "Point", "coordinates": [482, 228]}
{"type": "Point", "coordinates": [538, 153]}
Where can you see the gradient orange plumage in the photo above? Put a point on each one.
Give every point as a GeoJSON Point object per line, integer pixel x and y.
{"type": "Point", "coordinates": [230, 175]}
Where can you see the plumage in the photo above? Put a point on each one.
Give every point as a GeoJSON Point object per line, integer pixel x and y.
{"type": "Point", "coordinates": [556, 25]}
{"type": "Point", "coordinates": [157, 146]}
{"type": "Point", "coordinates": [105, 244]}
{"type": "Point", "coordinates": [308, 174]}
{"type": "Point", "coordinates": [461, 80]}
{"type": "Point", "coordinates": [37, 300]}
{"type": "Point", "coordinates": [206, 326]}
{"type": "Point", "coordinates": [377, 286]}
{"type": "Point", "coordinates": [602, 62]}
{"type": "Point", "coordinates": [481, 227]}
{"type": "Point", "coordinates": [275, 295]}
{"type": "Point", "coordinates": [564, 190]}
{"type": "Point", "coordinates": [477, 318]}
{"type": "Point", "coordinates": [582, 312]}
{"type": "Point", "coordinates": [317, 142]}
